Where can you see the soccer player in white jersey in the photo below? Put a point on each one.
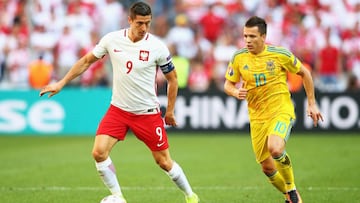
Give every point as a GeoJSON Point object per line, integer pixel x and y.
{"type": "Point", "coordinates": [135, 55]}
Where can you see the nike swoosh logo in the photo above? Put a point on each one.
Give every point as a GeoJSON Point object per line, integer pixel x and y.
{"type": "Point", "coordinates": [160, 144]}
{"type": "Point", "coordinates": [117, 50]}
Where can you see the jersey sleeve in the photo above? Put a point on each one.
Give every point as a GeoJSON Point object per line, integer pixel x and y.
{"type": "Point", "coordinates": [290, 62]}
{"type": "Point", "coordinates": [164, 55]}
{"type": "Point", "coordinates": [232, 73]}
{"type": "Point", "coordinates": [164, 60]}
{"type": "Point", "coordinates": [100, 49]}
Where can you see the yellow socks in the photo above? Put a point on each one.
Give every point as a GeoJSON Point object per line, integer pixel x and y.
{"type": "Point", "coordinates": [277, 181]}
{"type": "Point", "coordinates": [283, 164]}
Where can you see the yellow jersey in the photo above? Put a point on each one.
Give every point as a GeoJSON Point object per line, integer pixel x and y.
{"type": "Point", "coordinates": [265, 77]}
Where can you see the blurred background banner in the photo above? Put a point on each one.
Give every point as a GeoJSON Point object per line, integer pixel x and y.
{"type": "Point", "coordinates": [77, 111]}
{"type": "Point", "coordinates": [74, 111]}
{"type": "Point", "coordinates": [41, 40]}
{"type": "Point", "coordinates": [215, 111]}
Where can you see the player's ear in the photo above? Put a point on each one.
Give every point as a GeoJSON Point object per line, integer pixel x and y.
{"type": "Point", "coordinates": [263, 37]}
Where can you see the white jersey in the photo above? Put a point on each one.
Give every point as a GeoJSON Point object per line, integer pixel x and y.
{"type": "Point", "coordinates": [134, 69]}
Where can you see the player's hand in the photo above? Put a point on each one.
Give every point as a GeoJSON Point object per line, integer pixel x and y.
{"type": "Point", "coordinates": [240, 93]}
{"type": "Point", "coordinates": [314, 113]}
{"type": "Point", "coordinates": [170, 119]}
{"type": "Point", "coordinates": [52, 89]}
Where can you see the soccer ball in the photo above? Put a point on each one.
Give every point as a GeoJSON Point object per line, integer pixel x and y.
{"type": "Point", "coordinates": [112, 199]}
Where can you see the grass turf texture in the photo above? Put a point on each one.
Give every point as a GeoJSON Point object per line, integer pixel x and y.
{"type": "Point", "coordinates": [220, 167]}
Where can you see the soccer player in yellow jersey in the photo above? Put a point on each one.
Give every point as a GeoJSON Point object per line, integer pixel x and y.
{"type": "Point", "coordinates": [262, 70]}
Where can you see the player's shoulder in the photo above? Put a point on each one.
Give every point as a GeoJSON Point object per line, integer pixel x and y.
{"type": "Point", "coordinates": [155, 42]}
{"type": "Point", "coordinates": [116, 33]}
{"type": "Point", "coordinates": [279, 50]}
{"type": "Point", "coordinates": [239, 53]}
{"type": "Point", "coordinates": [154, 38]}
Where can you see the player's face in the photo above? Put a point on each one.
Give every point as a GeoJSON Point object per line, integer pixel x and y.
{"type": "Point", "coordinates": [139, 26]}
{"type": "Point", "coordinates": [254, 41]}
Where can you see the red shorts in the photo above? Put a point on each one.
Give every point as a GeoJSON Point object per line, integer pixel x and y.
{"type": "Point", "coordinates": [148, 128]}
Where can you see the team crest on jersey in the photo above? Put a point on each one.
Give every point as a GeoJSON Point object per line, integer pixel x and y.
{"type": "Point", "coordinates": [270, 66]}
{"type": "Point", "coordinates": [144, 55]}
{"type": "Point", "coordinates": [230, 71]}
{"type": "Point", "coordinates": [246, 67]}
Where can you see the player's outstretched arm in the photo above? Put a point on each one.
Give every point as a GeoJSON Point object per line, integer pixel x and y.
{"type": "Point", "coordinates": [78, 68]}
{"type": "Point", "coordinates": [312, 109]}
{"type": "Point", "coordinates": [172, 91]}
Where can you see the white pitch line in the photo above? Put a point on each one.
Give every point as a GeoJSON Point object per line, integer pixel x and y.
{"type": "Point", "coordinates": [62, 188]}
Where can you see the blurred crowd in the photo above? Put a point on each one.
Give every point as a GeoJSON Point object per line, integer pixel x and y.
{"type": "Point", "coordinates": [41, 39]}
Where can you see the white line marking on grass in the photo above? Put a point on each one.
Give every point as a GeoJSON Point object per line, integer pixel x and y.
{"type": "Point", "coordinates": [334, 188]}
{"type": "Point", "coordinates": [62, 188]}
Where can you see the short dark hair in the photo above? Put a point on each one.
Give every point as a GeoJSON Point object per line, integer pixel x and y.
{"type": "Point", "coordinates": [258, 22]}
{"type": "Point", "coordinates": [139, 8]}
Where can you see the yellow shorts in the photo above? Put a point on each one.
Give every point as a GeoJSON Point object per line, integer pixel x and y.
{"type": "Point", "coordinates": [280, 125]}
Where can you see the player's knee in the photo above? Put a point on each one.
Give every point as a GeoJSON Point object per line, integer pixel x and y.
{"type": "Point", "coordinates": [276, 145]}
{"type": "Point", "coordinates": [268, 166]}
{"type": "Point", "coordinates": [99, 155]}
{"type": "Point", "coordinates": [276, 152]}
{"type": "Point", "coordinates": [164, 164]}
{"type": "Point", "coordinates": [267, 169]}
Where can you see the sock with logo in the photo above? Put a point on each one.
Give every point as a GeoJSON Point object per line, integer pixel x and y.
{"type": "Point", "coordinates": [107, 173]}
{"type": "Point", "coordinates": [283, 164]}
{"type": "Point", "coordinates": [178, 176]}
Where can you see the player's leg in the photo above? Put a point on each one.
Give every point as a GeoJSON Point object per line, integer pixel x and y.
{"type": "Point", "coordinates": [175, 172]}
{"type": "Point", "coordinates": [276, 145]}
{"type": "Point", "coordinates": [104, 165]}
{"type": "Point", "coordinates": [274, 177]}
{"type": "Point", "coordinates": [282, 160]}
{"type": "Point", "coordinates": [259, 139]}
{"type": "Point", "coordinates": [155, 137]}
{"type": "Point", "coordinates": [112, 123]}
{"type": "Point", "coordinates": [284, 166]}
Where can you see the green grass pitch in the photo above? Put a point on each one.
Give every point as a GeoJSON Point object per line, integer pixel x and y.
{"type": "Point", "coordinates": [220, 167]}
